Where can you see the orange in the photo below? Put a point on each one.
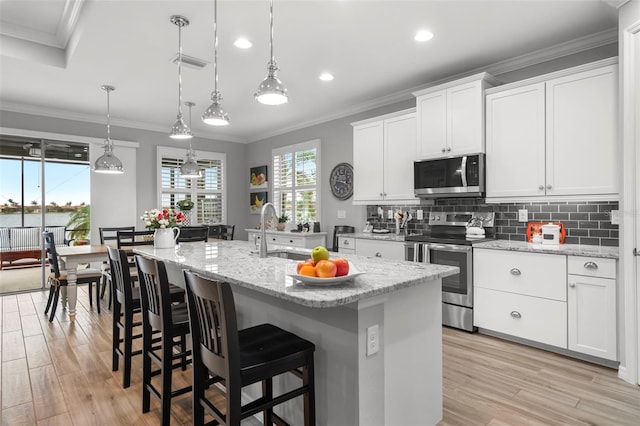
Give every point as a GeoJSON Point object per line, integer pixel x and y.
{"type": "Point", "coordinates": [306, 262]}
{"type": "Point", "coordinates": [326, 269]}
{"type": "Point", "coordinates": [308, 270]}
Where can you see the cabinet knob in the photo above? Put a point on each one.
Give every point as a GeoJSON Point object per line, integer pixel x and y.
{"type": "Point", "coordinates": [572, 284]}
{"type": "Point", "coordinates": [515, 271]}
{"type": "Point", "coordinates": [591, 265]}
{"type": "Point", "coordinates": [540, 187]}
{"type": "Point", "coordinates": [448, 148]}
{"type": "Point", "coordinates": [345, 243]}
{"type": "Point", "coordinates": [378, 254]}
{"type": "Point", "coordinates": [290, 241]}
{"type": "Point", "coordinates": [549, 186]}
{"type": "Point", "coordinates": [443, 149]}
{"type": "Point", "coordinates": [273, 239]}
{"type": "Point", "coordinates": [516, 314]}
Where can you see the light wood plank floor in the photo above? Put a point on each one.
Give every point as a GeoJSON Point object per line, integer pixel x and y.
{"type": "Point", "coordinates": [60, 373]}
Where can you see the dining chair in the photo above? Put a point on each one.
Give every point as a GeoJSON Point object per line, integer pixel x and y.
{"type": "Point", "coordinates": [172, 321]}
{"type": "Point", "coordinates": [58, 278]}
{"type": "Point", "coordinates": [108, 235]}
{"type": "Point", "coordinates": [193, 233]}
{"type": "Point", "coordinates": [222, 353]}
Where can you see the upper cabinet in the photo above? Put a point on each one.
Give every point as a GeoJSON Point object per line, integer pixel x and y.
{"type": "Point", "coordinates": [383, 156]}
{"type": "Point", "coordinates": [450, 117]}
{"type": "Point", "coordinates": [554, 136]}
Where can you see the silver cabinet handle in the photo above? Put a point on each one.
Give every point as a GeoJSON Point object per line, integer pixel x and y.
{"type": "Point", "coordinates": [378, 254]}
{"type": "Point", "coordinates": [515, 271]}
{"type": "Point", "coordinates": [549, 186]}
{"type": "Point", "coordinates": [443, 149]}
{"type": "Point", "coordinates": [591, 265]}
{"type": "Point", "coordinates": [516, 314]}
{"type": "Point", "coordinates": [572, 284]}
{"type": "Point", "coordinates": [540, 187]}
{"type": "Point", "coordinates": [448, 148]}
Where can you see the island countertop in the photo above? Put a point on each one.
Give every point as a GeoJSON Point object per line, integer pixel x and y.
{"type": "Point", "coordinates": [238, 263]}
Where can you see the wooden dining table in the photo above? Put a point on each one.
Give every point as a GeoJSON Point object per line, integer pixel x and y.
{"type": "Point", "coordinates": [73, 256]}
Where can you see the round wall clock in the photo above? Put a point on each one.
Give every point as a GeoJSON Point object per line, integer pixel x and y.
{"type": "Point", "coordinates": [341, 181]}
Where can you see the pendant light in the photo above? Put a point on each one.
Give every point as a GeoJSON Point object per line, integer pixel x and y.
{"type": "Point", "coordinates": [271, 91]}
{"type": "Point", "coordinates": [215, 115]}
{"type": "Point", "coordinates": [190, 169]}
{"type": "Point", "coordinates": [107, 162]}
{"type": "Point", "coordinates": [179, 130]}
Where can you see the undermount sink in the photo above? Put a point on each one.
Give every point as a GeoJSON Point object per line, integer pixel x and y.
{"type": "Point", "coordinates": [288, 255]}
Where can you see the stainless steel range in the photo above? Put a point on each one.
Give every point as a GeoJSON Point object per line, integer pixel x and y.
{"type": "Point", "coordinates": [449, 242]}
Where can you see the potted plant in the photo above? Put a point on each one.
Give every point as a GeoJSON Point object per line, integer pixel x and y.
{"type": "Point", "coordinates": [281, 221]}
{"type": "Point", "coordinates": [185, 206]}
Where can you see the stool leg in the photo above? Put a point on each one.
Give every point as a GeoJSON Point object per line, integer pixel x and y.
{"type": "Point", "coordinates": [115, 359]}
{"type": "Point", "coordinates": [146, 368]}
{"type": "Point", "coordinates": [56, 295]}
{"type": "Point", "coordinates": [267, 393]}
{"type": "Point", "coordinates": [128, 348]}
{"type": "Point", "coordinates": [165, 376]}
{"type": "Point", "coordinates": [308, 379]}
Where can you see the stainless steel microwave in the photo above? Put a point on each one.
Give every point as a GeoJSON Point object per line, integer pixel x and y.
{"type": "Point", "coordinates": [461, 176]}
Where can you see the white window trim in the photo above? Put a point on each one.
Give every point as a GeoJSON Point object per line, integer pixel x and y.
{"type": "Point", "coordinates": [181, 153]}
{"type": "Point", "coordinates": [302, 146]}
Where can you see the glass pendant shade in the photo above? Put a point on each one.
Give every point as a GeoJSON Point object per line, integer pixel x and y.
{"type": "Point", "coordinates": [108, 163]}
{"type": "Point", "coordinates": [271, 91]}
{"type": "Point", "coordinates": [180, 130]}
{"type": "Point", "coordinates": [215, 115]}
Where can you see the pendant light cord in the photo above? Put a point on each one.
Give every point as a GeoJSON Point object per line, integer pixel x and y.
{"type": "Point", "coordinates": [215, 46]}
{"type": "Point", "coordinates": [180, 68]}
{"type": "Point", "coordinates": [108, 120]}
{"type": "Point", "coordinates": [273, 59]}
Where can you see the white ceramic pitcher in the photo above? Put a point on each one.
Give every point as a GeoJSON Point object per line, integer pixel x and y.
{"type": "Point", "coordinates": [165, 237]}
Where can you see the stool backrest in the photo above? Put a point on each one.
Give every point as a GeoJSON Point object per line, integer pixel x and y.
{"type": "Point", "coordinates": [128, 239]}
{"type": "Point", "coordinates": [214, 328]}
{"type": "Point", "coordinates": [109, 235]}
{"type": "Point", "coordinates": [154, 292]}
{"type": "Point", "coordinates": [120, 276]}
{"type": "Point", "coordinates": [193, 233]}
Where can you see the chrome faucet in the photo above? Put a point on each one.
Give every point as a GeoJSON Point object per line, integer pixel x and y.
{"type": "Point", "coordinates": [263, 236]}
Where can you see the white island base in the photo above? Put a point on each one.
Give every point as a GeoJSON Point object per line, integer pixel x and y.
{"type": "Point", "coordinates": [401, 384]}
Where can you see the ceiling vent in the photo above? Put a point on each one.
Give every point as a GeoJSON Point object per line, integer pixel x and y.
{"type": "Point", "coordinates": [190, 61]}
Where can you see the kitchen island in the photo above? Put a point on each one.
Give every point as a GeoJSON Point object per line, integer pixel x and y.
{"type": "Point", "coordinates": [401, 383]}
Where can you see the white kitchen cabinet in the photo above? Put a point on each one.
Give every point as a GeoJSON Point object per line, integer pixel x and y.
{"type": "Point", "coordinates": [346, 244]}
{"type": "Point", "coordinates": [301, 239]}
{"type": "Point", "coordinates": [554, 136]}
{"type": "Point", "coordinates": [592, 306]}
{"type": "Point", "coordinates": [450, 117]}
{"type": "Point", "coordinates": [379, 248]}
{"type": "Point", "coordinates": [383, 156]}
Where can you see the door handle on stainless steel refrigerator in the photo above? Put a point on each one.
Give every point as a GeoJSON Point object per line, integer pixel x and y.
{"type": "Point", "coordinates": [426, 255]}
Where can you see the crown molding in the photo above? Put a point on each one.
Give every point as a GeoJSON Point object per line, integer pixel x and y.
{"type": "Point", "coordinates": [617, 4]}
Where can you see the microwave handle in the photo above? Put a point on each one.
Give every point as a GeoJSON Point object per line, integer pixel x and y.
{"type": "Point", "coordinates": [464, 171]}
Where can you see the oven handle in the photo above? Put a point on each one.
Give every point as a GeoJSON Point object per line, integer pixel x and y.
{"type": "Point", "coordinates": [449, 247]}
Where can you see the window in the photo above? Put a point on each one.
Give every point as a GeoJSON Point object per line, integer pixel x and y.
{"type": "Point", "coordinates": [296, 188]}
{"type": "Point", "coordinates": [208, 192]}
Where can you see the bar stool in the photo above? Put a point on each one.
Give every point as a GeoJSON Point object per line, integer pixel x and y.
{"type": "Point", "coordinates": [172, 320]}
{"type": "Point", "coordinates": [222, 353]}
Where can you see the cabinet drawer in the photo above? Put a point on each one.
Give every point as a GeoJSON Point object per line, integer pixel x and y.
{"type": "Point", "coordinates": [346, 250]}
{"type": "Point", "coordinates": [346, 243]}
{"type": "Point", "coordinates": [383, 249]}
{"type": "Point", "coordinates": [531, 274]}
{"type": "Point", "coordinates": [286, 240]}
{"type": "Point", "coordinates": [592, 266]}
{"type": "Point", "coordinates": [532, 318]}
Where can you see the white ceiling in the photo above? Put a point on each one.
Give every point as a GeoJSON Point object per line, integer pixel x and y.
{"type": "Point", "coordinates": [55, 54]}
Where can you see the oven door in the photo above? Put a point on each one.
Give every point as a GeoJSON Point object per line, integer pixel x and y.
{"type": "Point", "coordinates": [456, 289]}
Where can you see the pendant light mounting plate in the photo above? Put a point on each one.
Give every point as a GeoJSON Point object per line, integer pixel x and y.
{"type": "Point", "coordinates": [179, 20]}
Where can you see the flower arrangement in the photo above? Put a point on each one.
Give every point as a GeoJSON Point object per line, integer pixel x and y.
{"type": "Point", "coordinates": [165, 218]}
{"type": "Point", "coordinates": [185, 205]}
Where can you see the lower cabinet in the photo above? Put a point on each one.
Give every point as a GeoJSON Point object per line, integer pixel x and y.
{"type": "Point", "coordinates": [346, 245]}
{"type": "Point", "coordinates": [564, 301]}
{"type": "Point", "coordinates": [591, 304]}
{"type": "Point", "coordinates": [304, 240]}
{"type": "Point", "coordinates": [371, 248]}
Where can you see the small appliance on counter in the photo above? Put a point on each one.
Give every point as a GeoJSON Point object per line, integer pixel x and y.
{"type": "Point", "coordinates": [546, 232]}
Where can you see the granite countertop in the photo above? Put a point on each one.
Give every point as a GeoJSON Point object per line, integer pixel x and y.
{"type": "Point", "coordinates": [564, 249]}
{"type": "Point", "coordinates": [391, 236]}
{"type": "Point", "coordinates": [237, 262]}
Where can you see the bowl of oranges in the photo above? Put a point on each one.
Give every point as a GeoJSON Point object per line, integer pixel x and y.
{"type": "Point", "coordinates": [322, 270]}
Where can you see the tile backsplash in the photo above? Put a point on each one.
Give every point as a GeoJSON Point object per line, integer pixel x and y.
{"type": "Point", "coordinates": [586, 222]}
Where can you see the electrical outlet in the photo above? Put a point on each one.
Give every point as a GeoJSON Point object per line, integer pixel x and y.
{"type": "Point", "coordinates": [342, 214]}
{"type": "Point", "coordinates": [615, 217]}
{"type": "Point", "coordinates": [419, 215]}
{"type": "Point", "coordinates": [389, 214]}
{"type": "Point", "coordinates": [373, 340]}
{"type": "Point", "coordinates": [523, 215]}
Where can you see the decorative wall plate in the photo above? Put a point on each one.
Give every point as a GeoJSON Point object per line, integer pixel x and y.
{"type": "Point", "coordinates": [341, 181]}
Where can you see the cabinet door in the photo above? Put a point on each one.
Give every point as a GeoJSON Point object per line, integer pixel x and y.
{"type": "Point", "coordinates": [368, 162]}
{"type": "Point", "coordinates": [399, 155]}
{"type": "Point", "coordinates": [592, 316]}
{"type": "Point", "coordinates": [465, 119]}
{"type": "Point", "coordinates": [383, 249]}
{"type": "Point", "coordinates": [515, 157]}
{"type": "Point", "coordinates": [581, 133]}
{"type": "Point", "coordinates": [432, 124]}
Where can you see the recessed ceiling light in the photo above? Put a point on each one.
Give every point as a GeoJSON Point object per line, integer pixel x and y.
{"type": "Point", "coordinates": [423, 35]}
{"type": "Point", "coordinates": [325, 76]}
{"type": "Point", "coordinates": [242, 43]}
